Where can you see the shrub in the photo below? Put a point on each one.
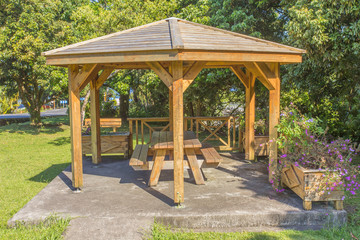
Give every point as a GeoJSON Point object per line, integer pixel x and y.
{"type": "Point", "coordinates": [303, 143]}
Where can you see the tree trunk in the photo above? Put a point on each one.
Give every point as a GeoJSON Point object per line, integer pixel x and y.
{"type": "Point", "coordinates": [191, 109]}
{"type": "Point", "coordinates": [198, 108]}
{"type": "Point", "coordinates": [35, 117]}
{"type": "Point", "coordinates": [83, 107]}
{"type": "Point", "coordinates": [124, 106]}
{"type": "Point", "coordinates": [135, 94]}
{"type": "Point", "coordinates": [32, 102]}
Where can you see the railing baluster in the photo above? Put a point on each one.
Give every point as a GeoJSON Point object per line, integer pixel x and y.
{"type": "Point", "coordinates": [234, 132]}
{"type": "Point", "coordinates": [228, 132]}
{"type": "Point", "coordinates": [131, 148]}
{"type": "Point", "coordinates": [210, 124]}
{"type": "Point", "coordinates": [137, 131]}
{"type": "Point", "coordinates": [142, 132]}
{"type": "Point", "coordinates": [240, 136]}
{"type": "Point", "coordinates": [197, 128]}
{"type": "Point", "coordinates": [150, 132]}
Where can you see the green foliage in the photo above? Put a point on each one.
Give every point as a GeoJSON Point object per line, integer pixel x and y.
{"type": "Point", "coordinates": [330, 72]}
{"type": "Point", "coordinates": [29, 28]}
{"type": "Point", "coordinates": [294, 127]}
{"type": "Point", "coordinates": [262, 19]}
{"type": "Point", "coordinates": [51, 228]}
{"type": "Point", "coordinates": [325, 85]}
{"type": "Point", "coordinates": [7, 103]}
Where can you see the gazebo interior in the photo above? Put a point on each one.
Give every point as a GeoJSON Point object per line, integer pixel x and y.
{"type": "Point", "coordinates": [176, 50]}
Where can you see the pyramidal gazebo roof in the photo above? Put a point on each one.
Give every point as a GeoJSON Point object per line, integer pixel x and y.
{"type": "Point", "coordinates": [173, 34]}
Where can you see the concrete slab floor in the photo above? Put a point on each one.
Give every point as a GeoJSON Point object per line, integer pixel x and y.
{"type": "Point", "coordinates": [116, 203]}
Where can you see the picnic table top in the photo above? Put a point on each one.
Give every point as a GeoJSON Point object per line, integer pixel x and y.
{"type": "Point", "coordinates": [164, 140]}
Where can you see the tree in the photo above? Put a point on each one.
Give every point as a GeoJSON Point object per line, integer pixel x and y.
{"type": "Point", "coordinates": [330, 73]}
{"type": "Point", "coordinates": [30, 27]}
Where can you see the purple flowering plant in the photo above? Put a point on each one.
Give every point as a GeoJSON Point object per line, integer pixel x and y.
{"type": "Point", "coordinates": [303, 143]}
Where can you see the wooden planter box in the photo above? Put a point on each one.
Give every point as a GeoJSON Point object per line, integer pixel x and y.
{"type": "Point", "coordinates": [305, 183]}
{"type": "Point", "coordinates": [110, 144]}
{"type": "Point", "coordinates": [261, 145]}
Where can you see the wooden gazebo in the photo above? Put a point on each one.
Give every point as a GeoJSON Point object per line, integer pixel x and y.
{"type": "Point", "coordinates": [176, 50]}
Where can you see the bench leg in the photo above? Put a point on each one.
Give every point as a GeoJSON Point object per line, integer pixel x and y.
{"type": "Point", "coordinates": [307, 205]}
{"type": "Point", "coordinates": [156, 170]}
{"type": "Point", "coordinates": [194, 165]}
{"type": "Point", "coordinates": [339, 205]}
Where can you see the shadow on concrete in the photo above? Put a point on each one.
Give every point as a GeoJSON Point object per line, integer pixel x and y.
{"type": "Point", "coordinates": [67, 181]}
{"type": "Point", "coordinates": [125, 174]}
{"type": "Point", "coordinates": [254, 177]}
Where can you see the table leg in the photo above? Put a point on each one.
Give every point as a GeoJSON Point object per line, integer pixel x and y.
{"type": "Point", "coordinates": [194, 165]}
{"type": "Point", "coordinates": [156, 170]}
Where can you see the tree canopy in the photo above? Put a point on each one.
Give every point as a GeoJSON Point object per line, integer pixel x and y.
{"type": "Point", "coordinates": [325, 85]}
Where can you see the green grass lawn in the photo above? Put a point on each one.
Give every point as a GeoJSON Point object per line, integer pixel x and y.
{"type": "Point", "coordinates": [30, 158]}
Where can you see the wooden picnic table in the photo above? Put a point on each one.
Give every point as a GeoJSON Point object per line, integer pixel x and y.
{"type": "Point", "coordinates": [162, 143]}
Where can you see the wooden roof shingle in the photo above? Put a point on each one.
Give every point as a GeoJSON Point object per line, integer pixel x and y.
{"type": "Point", "coordinates": [172, 34]}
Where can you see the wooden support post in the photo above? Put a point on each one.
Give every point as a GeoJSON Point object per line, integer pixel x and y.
{"type": "Point", "coordinates": [250, 118]}
{"type": "Point", "coordinates": [178, 131]}
{"type": "Point", "coordinates": [274, 117]}
{"type": "Point", "coordinates": [95, 122]}
{"type": "Point", "coordinates": [75, 126]}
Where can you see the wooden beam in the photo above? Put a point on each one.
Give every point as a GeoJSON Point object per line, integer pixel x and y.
{"type": "Point", "coordinates": [191, 73]}
{"type": "Point", "coordinates": [274, 118]}
{"type": "Point", "coordinates": [250, 118]}
{"type": "Point", "coordinates": [241, 75]}
{"type": "Point", "coordinates": [88, 72]}
{"type": "Point", "coordinates": [178, 131]}
{"type": "Point", "coordinates": [218, 56]}
{"type": "Point", "coordinates": [252, 67]}
{"type": "Point", "coordinates": [172, 55]}
{"type": "Point", "coordinates": [95, 122]}
{"type": "Point", "coordinates": [266, 74]}
{"type": "Point", "coordinates": [163, 74]}
{"type": "Point", "coordinates": [103, 77]}
{"type": "Point", "coordinates": [75, 127]}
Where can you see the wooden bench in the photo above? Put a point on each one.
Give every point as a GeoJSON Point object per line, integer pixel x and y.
{"type": "Point", "coordinates": [211, 156]}
{"type": "Point", "coordinates": [138, 159]}
{"type": "Point", "coordinates": [113, 123]}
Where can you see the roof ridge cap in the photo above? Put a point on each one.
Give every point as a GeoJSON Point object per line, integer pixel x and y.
{"type": "Point", "coordinates": [100, 38]}
{"type": "Point", "coordinates": [175, 34]}
{"type": "Point", "coordinates": [245, 36]}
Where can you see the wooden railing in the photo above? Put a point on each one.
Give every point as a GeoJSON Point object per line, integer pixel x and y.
{"type": "Point", "coordinates": [223, 133]}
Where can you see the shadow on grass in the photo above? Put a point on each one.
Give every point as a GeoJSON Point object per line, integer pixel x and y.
{"type": "Point", "coordinates": [50, 126]}
{"type": "Point", "coordinates": [50, 173]}
{"type": "Point", "coordinates": [60, 141]}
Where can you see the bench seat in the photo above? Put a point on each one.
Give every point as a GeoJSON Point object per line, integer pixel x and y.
{"type": "Point", "coordinates": [210, 154]}
{"type": "Point", "coordinates": [139, 156]}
